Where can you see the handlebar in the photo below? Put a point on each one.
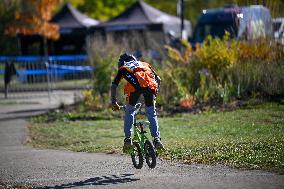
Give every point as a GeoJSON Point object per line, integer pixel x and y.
{"type": "Point", "coordinates": [137, 107]}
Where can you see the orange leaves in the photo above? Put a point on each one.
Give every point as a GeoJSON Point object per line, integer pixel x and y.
{"type": "Point", "coordinates": [187, 102]}
{"type": "Point", "coordinates": [45, 8]}
{"type": "Point", "coordinates": [34, 19]}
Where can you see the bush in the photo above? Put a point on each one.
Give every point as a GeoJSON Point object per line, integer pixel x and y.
{"type": "Point", "coordinates": [103, 57]}
{"type": "Point", "coordinates": [260, 69]}
{"type": "Point", "coordinates": [8, 45]}
{"type": "Point", "coordinates": [217, 55]}
{"type": "Point", "coordinates": [219, 70]}
{"type": "Point", "coordinates": [223, 70]}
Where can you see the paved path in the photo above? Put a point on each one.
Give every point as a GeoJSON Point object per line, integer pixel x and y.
{"type": "Point", "coordinates": [22, 164]}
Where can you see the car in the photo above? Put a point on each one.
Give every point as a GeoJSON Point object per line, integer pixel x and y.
{"type": "Point", "coordinates": [278, 29]}
{"type": "Point", "coordinates": [249, 22]}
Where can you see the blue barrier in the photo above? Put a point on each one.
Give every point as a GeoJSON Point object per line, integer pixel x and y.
{"type": "Point", "coordinates": [68, 58]}
{"type": "Point", "coordinates": [67, 67]}
{"type": "Point", "coordinates": [42, 58]}
{"type": "Point", "coordinates": [44, 72]}
{"type": "Point", "coordinates": [52, 68]}
{"type": "Point", "coordinates": [58, 71]}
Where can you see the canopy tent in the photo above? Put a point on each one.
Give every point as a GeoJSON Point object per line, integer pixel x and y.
{"type": "Point", "coordinates": [73, 29]}
{"type": "Point", "coordinates": [141, 16]}
{"type": "Point", "coordinates": [70, 20]}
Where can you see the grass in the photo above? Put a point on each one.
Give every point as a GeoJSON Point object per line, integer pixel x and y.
{"type": "Point", "coordinates": [251, 137]}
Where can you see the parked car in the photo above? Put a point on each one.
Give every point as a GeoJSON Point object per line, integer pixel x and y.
{"type": "Point", "coordinates": [278, 29]}
{"type": "Point", "coordinates": [249, 22]}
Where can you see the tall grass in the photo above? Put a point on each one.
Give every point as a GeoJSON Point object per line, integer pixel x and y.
{"type": "Point", "coordinates": [221, 70]}
{"type": "Point", "coordinates": [224, 70]}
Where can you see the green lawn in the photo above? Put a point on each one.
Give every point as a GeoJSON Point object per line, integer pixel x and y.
{"type": "Point", "coordinates": [251, 137]}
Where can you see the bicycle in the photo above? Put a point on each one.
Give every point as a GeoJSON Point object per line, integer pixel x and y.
{"type": "Point", "coordinates": [142, 147]}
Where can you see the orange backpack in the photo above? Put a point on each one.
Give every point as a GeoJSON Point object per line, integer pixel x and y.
{"type": "Point", "coordinates": [144, 74]}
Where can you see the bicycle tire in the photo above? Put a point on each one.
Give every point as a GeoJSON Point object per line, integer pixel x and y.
{"type": "Point", "coordinates": [137, 152]}
{"type": "Point", "coordinates": [150, 154]}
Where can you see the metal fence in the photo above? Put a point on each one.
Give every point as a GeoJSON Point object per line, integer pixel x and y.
{"type": "Point", "coordinates": [22, 76]}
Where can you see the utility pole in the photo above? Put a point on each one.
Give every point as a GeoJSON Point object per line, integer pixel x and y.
{"type": "Point", "coordinates": [46, 63]}
{"type": "Point", "coordinates": [181, 14]}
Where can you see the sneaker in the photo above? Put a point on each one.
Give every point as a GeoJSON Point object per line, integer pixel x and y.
{"type": "Point", "coordinates": [127, 144]}
{"type": "Point", "coordinates": [158, 144]}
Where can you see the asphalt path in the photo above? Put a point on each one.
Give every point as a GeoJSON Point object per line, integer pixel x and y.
{"type": "Point", "coordinates": [23, 165]}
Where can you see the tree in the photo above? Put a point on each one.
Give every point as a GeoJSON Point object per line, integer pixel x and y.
{"type": "Point", "coordinates": [104, 9]}
{"type": "Point", "coordinates": [33, 18]}
{"type": "Point", "coordinates": [8, 45]}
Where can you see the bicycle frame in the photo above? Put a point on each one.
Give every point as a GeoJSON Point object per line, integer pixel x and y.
{"type": "Point", "coordinates": [142, 147]}
{"type": "Point", "coordinates": [139, 134]}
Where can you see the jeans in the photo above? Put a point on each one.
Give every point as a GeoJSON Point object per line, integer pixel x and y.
{"type": "Point", "coordinates": [149, 98]}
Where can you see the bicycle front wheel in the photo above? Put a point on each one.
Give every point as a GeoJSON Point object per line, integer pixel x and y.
{"type": "Point", "coordinates": [150, 154]}
{"type": "Point", "coordinates": [137, 156]}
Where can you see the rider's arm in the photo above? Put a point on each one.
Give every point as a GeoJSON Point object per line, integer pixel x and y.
{"type": "Point", "coordinates": [113, 93]}
{"type": "Point", "coordinates": [115, 84]}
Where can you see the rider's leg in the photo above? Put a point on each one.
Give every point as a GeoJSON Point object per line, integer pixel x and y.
{"type": "Point", "coordinates": [129, 113]}
{"type": "Point", "coordinates": [128, 120]}
{"type": "Point", "coordinates": [153, 119]}
{"type": "Point", "coordinates": [151, 113]}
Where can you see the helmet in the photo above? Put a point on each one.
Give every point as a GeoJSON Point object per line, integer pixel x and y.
{"type": "Point", "coordinates": [125, 58]}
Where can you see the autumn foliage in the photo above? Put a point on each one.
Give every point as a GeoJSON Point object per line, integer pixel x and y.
{"type": "Point", "coordinates": [33, 18]}
{"type": "Point", "coordinates": [223, 70]}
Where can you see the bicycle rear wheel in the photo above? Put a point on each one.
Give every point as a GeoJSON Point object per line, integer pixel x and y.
{"type": "Point", "coordinates": [137, 156]}
{"type": "Point", "coordinates": [150, 154]}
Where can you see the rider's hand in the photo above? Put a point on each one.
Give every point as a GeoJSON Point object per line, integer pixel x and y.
{"type": "Point", "coordinates": [115, 106]}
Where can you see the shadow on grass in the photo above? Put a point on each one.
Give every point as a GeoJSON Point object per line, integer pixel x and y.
{"type": "Point", "coordinates": [97, 181]}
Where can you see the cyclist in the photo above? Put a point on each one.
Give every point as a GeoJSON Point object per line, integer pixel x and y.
{"type": "Point", "coordinates": [141, 80]}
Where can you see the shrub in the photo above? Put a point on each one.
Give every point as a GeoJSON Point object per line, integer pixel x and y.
{"type": "Point", "coordinates": [223, 69]}
{"type": "Point", "coordinates": [260, 68]}
{"type": "Point", "coordinates": [172, 86]}
{"type": "Point", "coordinates": [103, 56]}
{"type": "Point", "coordinates": [218, 70]}
{"type": "Point", "coordinates": [216, 55]}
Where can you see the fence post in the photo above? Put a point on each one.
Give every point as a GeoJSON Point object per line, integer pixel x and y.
{"type": "Point", "coordinates": [9, 72]}
{"type": "Point", "coordinates": [6, 90]}
{"type": "Point", "coordinates": [46, 59]}
{"type": "Point", "coordinates": [6, 80]}
{"type": "Point", "coordinates": [47, 78]}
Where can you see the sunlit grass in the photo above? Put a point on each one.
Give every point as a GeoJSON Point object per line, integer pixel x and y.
{"type": "Point", "coordinates": [245, 138]}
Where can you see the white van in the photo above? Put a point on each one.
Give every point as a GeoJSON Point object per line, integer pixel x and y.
{"type": "Point", "coordinates": [248, 22]}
